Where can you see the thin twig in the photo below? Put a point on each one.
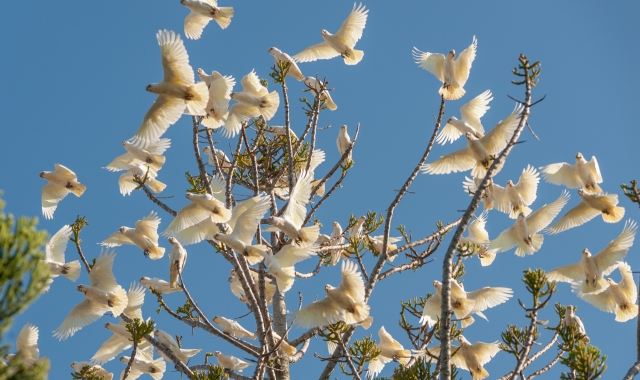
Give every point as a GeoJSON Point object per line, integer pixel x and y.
{"type": "Point", "coordinates": [157, 201]}
{"type": "Point", "coordinates": [196, 149]}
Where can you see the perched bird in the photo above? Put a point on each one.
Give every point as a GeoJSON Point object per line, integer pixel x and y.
{"type": "Point", "coordinates": [219, 96]}
{"type": "Point", "coordinates": [127, 182]}
{"type": "Point", "coordinates": [176, 91]}
{"type": "Point", "coordinates": [144, 236]}
{"type": "Point", "coordinates": [202, 206]}
{"type": "Point", "coordinates": [317, 86]}
{"type": "Point", "coordinates": [345, 303]}
{"type": "Point", "coordinates": [583, 174]}
{"type": "Point", "coordinates": [470, 357]}
{"type": "Point", "coordinates": [54, 256]}
{"type": "Point", "coordinates": [356, 230]}
{"type": "Point", "coordinates": [79, 366]}
{"type": "Point", "coordinates": [524, 232]}
{"type": "Point", "coordinates": [61, 181]}
{"type": "Point", "coordinates": [284, 346]}
{"type": "Point", "coordinates": [281, 265]}
{"type": "Point", "coordinates": [102, 296]}
{"type": "Point", "coordinates": [140, 154]}
{"type": "Point", "coordinates": [478, 154]}
{"type": "Point", "coordinates": [571, 319]}
{"type": "Point", "coordinates": [619, 299]}
{"type": "Point", "coordinates": [469, 121]}
{"type": "Point", "coordinates": [203, 11]}
{"type": "Point", "coordinates": [254, 100]}
{"type": "Point", "coordinates": [230, 362]}
{"type": "Point", "coordinates": [177, 260]}
{"type": "Point", "coordinates": [233, 328]}
{"type": "Point", "coordinates": [27, 347]}
{"type": "Point", "coordinates": [279, 56]}
{"type": "Point", "coordinates": [344, 142]}
{"type": "Point", "coordinates": [121, 338]}
{"type": "Point", "coordinates": [236, 287]}
{"type": "Point", "coordinates": [591, 206]}
{"type": "Point", "coordinates": [337, 238]}
{"type": "Point", "coordinates": [144, 363]}
{"type": "Point", "coordinates": [280, 130]}
{"type": "Point", "coordinates": [452, 73]}
{"type": "Point", "coordinates": [223, 160]}
{"type": "Point", "coordinates": [377, 242]}
{"type": "Point", "coordinates": [181, 353]}
{"type": "Point", "coordinates": [340, 44]}
{"type": "Point", "coordinates": [159, 285]}
{"type": "Point", "coordinates": [244, 222]}
{"type": "Point", "coordinates": [515, 199]}
{"type": "Point", "coordinates": [292, 219]}
{"type": "Point", "coordinates": [587, 275]}
{"type": "Point", "coordinates": [390, 350]}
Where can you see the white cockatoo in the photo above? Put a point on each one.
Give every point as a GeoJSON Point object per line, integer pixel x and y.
{"type": "Point", "coordinates": [464, 303]}
{"type": "Point", "coordinates": [177, 261]}
{"type": "Point", "coordinates": [470, 115]}
{"type": "Point", "coordinates": [230, 362]}
{"type": "Point", "coordinates": [27, 347]}
{"type": "Point", "coordinates": [102, 296]}
{"type": "Point", "coordinates": [60, 182]}
{"type": "Point", "coordinates": [281, 265]}
{"type": "Point", "coordinates": [515, 199]}
{"type": "Point", "coordinates": [390, 350]}
{"type": "Point", "coordinates": [284, 346]}
{"type": "Point", "coordinates": [219, 96]}
{"type": "Point", "coordinates": [345, 303]}
{"type": "Point", "coordinates": [121, 338]}
{"type": "Point", "coordinates": [292, 219]}
{"type": "Point", "coordinates": [356, 230]}
{"type": "Point", "coordinates": [452, 73]}
{"type": "Point", "coordinates": [280, 130]}
{"type": "Point", "coordinates": [138, 153]}
{"type": "Point", "coordinates": [202, 207]}
{"type": "Point", "coordinates": [587, 275]}
{"type": "Point", "coordinates": [584, 174]}
{"type": "Point", "coordinates": [54, 256]}
{"type": "Point", "coordinates": [619, 299]}
{"type": "Point", "coordinates": [571, 319]}
{"type": "Point", "coordinates": [223, 160]}
{"type": "Point", "coordinates": [144, 235]}
{"type": "Point", "coordinates": [524, 232]}
{"type": "Point", "coordinates": [471, 185]}
{"type": "Point", "coordinates": [127, 182]}
{"type": "Point", "coordinates": [236, 287]}
{"type": "Point", "coordinates": [591, 206]}
{"type": "Point", "coordinates": [203, 11]}
{"type": "Point", "coordinates": [478, 153]}
{"type": "Point", "coordinates": [477, 231]}
{"type": "Point", "coordinates": [280, 56]}
{"type": "Point", "coordinates": [340, 44]}
{"type": "Point", "coordinates": [337, 238]}
{"type": "Point", "coordinates": [343, 141]}
{"type": "Point", "coordinates": [470, 357]}
{"type": "Point", "coordinates": [317, 86]}
{"type": "Point", "coordinates": [244, 223]}
{"type": "Point", "coordinates": [176, 91]}
{"type": "Point", "coordinates": [233, 328]}
{"type": "Point", "coordinates": [282, 184]}
{"type": "Point", "coordinates": [99, 371]}
{"type": "Point", "coordinates": [254, 101]}
{"type": "Point", "coordinates": [144, 363]}
{"type": "Point", "coordinates": [159, 285]}
{"type": "Point", "coordinates": [377, 242]}
{"type": "Point", "coordinates": [169, 342]}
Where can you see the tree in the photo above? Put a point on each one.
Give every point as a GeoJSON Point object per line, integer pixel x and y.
{"type": "Point", "coordinates": [271, 161]}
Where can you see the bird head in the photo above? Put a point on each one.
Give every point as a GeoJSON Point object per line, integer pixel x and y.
{"type": "Point", "coordinates": [452, 53]}
{"type": "Point", "coordinates": [462, 340]}
{"type": "Point", "coordinates": [42, 174]}
{"type": "Point", "coordinates": [231, 279]}
{"type": "Point", "coordinates": [232, 95]}
{"type": "Point", "coordinates": [328, 287]}
{"type": "Point", "coordinates": [581, 192]}
{"type": "Point", "coordinates": [436, 284]}
{"type": "Point", "coordinates": [586, 253]}
{"type": "Point", "coordinates": [106, 325]}
{"type": "Point", "coordinates": [73, 365]}
{"type": "Point", "coordinates": [215, 319]}
{"type": "Point", "coordinates": [124, 359]}
{"type": "Point", "coordinates": [343, 128]}
{"type": "Point", "coordinates": [569, 309]}
{"type": "Point", "coordinates": [201, 72]}
{"type": "Point", "coordinates": [173, 240]}
{"type": "Point", "coordinates": [122, 229]}
{"type": "Point", "coordinates": [325, 32]}
{"type": "Point", "coordinates": [207, 150]}
{"type": "Point", "coordinates": [469, 136]}
{"type": "Point", "coordinates": [451, 119]}
{"type": "Point", "coordinates": [520, 216]}
{"type": "Point", "coordinates": [510, 183]}
{"type": "Point", "coordinates": [144, 280]}
{"type": "Point", "coordinates": [148, 88]}
{"type": "Point", "coordinates": [81, 288]}
{"type": "Point", "coordinates": [182, 2]}
{"type": "Point", "coordinates": [217, 353]}
{"type": "Point", "coordinates": [335, 224]}
{"type": "Point", "coordinates": [189, 196]}
{"type": "Point", "coordinates": [156, 333]}
{"type": "Point", "coordinates": [274, 50]}
{"type": "Point", "coordinates": [579, 156]}
{"type": "Point", "coordinates": [610, 281]}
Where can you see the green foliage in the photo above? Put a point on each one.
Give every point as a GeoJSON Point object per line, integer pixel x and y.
{"type": "Point", "coordinates": [420, 370]}
{"type": "Point", "coordinates": [87, 373]}
{"type": "Point", "coordinates": [361, 351]}
{"type": "Point", "coordinates": [138, 329]}
{"type": "Point", "coordinates": [279, 72]}
{"type": "Point", "coordinates": [141, 181]}
{"type": "Point", "coordinates": [537, 284]}
{"type": "Point", "coordinates": [333, 333]}
{"type": "Point", "coordinates": [22, 277]}
{"type": "Point", "coordinates": [215, 373]}
{"type": "Point", "coordinates": [532, 71]}
{"type": "Point", "coordinates": [187, 311]}
{"type": "Point", "coordinates": [631, 191]}
{"type": "Point", "coordinates": [586, 362]}
{"type": "Point", "coordinates": [197, 187]}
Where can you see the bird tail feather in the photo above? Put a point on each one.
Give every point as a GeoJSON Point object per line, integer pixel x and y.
{"type": "Point", "coordinates": [627, 312]}
{"type": "Point", "coordinates": [465, 307]}
{"type": "Point", "coordinates": [367, 322]}
{"type": "Point", "coordinates": [524, 209]}
{"type": "Point", "coordinates": [331, 104]}
{"type": "Point", "coordinates": [119, 301]}
{"type": "Point", "coordinates": [189, 353]}
{"type": "Point", "coordinates": [156, 186]}
{"type": "Point", "coordinates": [272, 102]}
{"type": "Point", "coordinates": [403, 356]}
{"type": "Point", "coordinates": [468, 321]}
{"type": "Point", "coordinates": [223, 215]}
{"type": "Point", "coordinates": [536, 243]}
{"type": "Point", "coordinates": [200, 94]}
{"type": "Point", "coordinates": [583, 288]}
{"type": "Point", "coordinates": [255, 253]}
{"type": "Point", "coordinates": [452, 92]}
{"type": "Point", "coordinates": [613, 215]}
{"type": "Point", "coordinates": [309, 235]}
{"type": "Point", "coordinates": [156, 253]}
{"type": "Point", "coordinates": [74, 270]}
{"type": "Point", "coordinates": [78, 189]}
{"type": "Point", "coordinates": [225, 16]}
{"type": "Point", "coordinates": [162, 366]}
{"type": "Point", "coordinates": [479, 375]}
{"type": "Point", "coordinates": [354, 58]}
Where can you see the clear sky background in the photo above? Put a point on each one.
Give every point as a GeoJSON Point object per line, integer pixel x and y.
{"type": "Point", "coordinates": [73, 88]}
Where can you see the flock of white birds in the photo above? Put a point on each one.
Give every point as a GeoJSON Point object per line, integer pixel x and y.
{"type": "Point", "coordinates": [179, 93]}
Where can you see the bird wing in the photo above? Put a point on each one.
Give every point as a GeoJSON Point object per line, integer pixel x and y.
{"type": "Point", "coordinates": [432, 62]}
{"type": "Point", "coordinates": [477, 231]}
{"type": "Point", "coordinates": [116, 239]}
{"type": "Point", "coordinates": [246, 224]}
{"type": "Point", "coordinates": [218, 188]}
{"type": "Point", "coordinates": [135, 301]}
{"type": "Point", "coordinates": [126, 184]}
{"type": "Point", "coordinates": [238, 114]}
{"type": "Point", "coordinates": [190, 215]}
{"type": "Point", "coordinates": [148, 227]}
{"type": "Point", "coordinates": [387, 340]}
{"type": "Point", "coordinates": [458, 161]}
{"type": "Point", "coordinates": [351, 30]}
{"type": "Point", "coordinates": [220, 90]}
{"type": "Point", "coordinates": [122, 162]}
{"type": "Point", "coordinates": [319, 313]}
{"type": "Point", "coordinates": [457, 290]}
{"type": "Point", "coordinates": [317, 157]}
{"type": "Point", "coordinates": [27, 342]}
{"type": "Point", "coordinates": [567, 273]}
{"type": "Point", "coordinates": [297, 207]}
{"type": "Point", "coordinates": [485, 351]}
{"type": "Point", "coordinates": [448, 134]}
{"type": "Point", "coordinates": [164, 112]}
{"type": "Point", "coordinates": [52, 194]}
{"type": "Point", "coordinates": [82, 314]}
{"type": "Point", "coordinates": [101, 274]}
{"type": "Point", "coordinates": [432, 310]}
{"type": "Point", "coordinates": [352, 283]}
{"type": "Point", "coordinates": [561, 173]}
{"type": "Point", "coordinates": [505, 241]}
{"type": "Point", "coordinates": [194, 24]}
{"type": "Point", "coordinates": [527, 185]}
{"type": "Point", "coordinates": [65, 172]}
{"type": "Point", "coordinates": [54, 250]}
{"type": "Point", "coordinates": [575, 217]}
{"type": "Point", "coordinates": [472, 111]}
{"type": "Point", "coordinates": [595, 169]}
{"type": "Point", "coordinates": [501, 199]}
{"type": "Point", "coordinates": [291, 254]}
{"type": "Point", "coordinates": [158, 147]}
{"type": "Point", "coordinates": [496, 139]}
{"type": "Point", "coordinates": [314, 52]}
{"type": "Point", "coordinates": [488, 297]}
{"type": "Point", "coordinates": [462, 65]}
{"type": "Point", "coordinates": [607, 260]}
{"type": "Point", "coordinates": [110, 348]}
{"type": "Point", "coordinates": [543, 216]}
{"type": "Point", "coordinates": [175, 60]}
{"type": "Point", "coordinates": [251, 84]}
{"type": "Point", "coordinates": [627, 285]}
{"type": "Point", "coordinates": [603, 300]}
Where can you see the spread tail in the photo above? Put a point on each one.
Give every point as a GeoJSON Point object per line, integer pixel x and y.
{"type": "Point", "coordinates": [613, 214]}
{"type": "Point", "coordinates": [355, 57]}
{"type": "Point", "coordinates": [155, 252]}
{"type": "Point", "coordinates": [73, 270]}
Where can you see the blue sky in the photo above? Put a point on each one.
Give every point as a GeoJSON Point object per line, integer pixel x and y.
{"type": "Point", "coordinates": [73, 90]}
